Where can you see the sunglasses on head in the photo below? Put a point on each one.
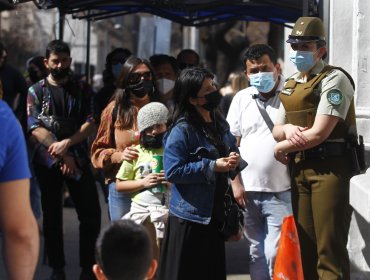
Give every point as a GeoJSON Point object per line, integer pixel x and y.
{"type": "Point", "coordinates": [136, 77]}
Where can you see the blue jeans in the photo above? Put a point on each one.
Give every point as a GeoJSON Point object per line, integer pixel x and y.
{"type": "Point", "coordinates": [263, 219]}
{"type": "Point", "coordinates": [119, 203]}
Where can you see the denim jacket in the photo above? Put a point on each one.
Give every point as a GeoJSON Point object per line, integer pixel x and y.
{"type": "Point", "coordinates": [189, 160]}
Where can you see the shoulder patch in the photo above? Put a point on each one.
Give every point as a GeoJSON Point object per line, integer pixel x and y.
{"type": "Point", "coordinates": [335, 97]}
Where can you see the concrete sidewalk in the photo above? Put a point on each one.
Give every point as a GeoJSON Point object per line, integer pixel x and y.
{"type": "Point", "coordinates": [237, 263]}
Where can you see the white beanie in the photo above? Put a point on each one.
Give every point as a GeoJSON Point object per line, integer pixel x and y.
{"type": "Point", "coordinates": [151, 114]}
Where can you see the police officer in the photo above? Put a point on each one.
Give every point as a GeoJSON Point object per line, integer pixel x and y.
{"type": "Point", "coordinates": [317, 118]}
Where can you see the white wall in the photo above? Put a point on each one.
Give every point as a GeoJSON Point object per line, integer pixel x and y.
{"type": "Point", "coordinates": [350, 49]}
{"type": "Point", "coordinates": [361, 64]}
{"type": "Point", "coordinates": [340, 37]}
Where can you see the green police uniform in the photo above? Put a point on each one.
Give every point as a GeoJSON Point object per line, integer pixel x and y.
{"type": "Point", "coordinates": [320, 175]}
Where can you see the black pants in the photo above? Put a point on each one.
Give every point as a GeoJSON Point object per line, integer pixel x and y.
{"type": "Point", "coordinates": [192, 251]}
{"type": "Point", "coordinates": [85, 197]}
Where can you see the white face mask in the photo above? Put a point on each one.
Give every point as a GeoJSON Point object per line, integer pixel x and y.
{"type": "Point", "coordinates": [165, 85]}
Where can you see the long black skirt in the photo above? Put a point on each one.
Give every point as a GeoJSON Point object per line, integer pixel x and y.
{"type": "Point", "coordinates": [192, 251]}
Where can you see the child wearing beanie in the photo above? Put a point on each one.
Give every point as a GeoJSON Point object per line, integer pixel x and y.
{"type": "Point", "coordinates": [142, 176]}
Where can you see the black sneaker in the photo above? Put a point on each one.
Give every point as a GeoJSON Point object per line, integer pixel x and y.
{"type": "Point", "coordinates": [57, 274]}
{"type": "Point", "coordinates": [87, 274]}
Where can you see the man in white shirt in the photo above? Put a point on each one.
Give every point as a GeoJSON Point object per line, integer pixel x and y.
{"type": "Point", "coordinates": [264, 186]}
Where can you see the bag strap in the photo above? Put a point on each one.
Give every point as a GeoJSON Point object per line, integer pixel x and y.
{"type": "Point", "coordinates": [114, 118]}
{"type": "Point", "coordinates": [263, 112]}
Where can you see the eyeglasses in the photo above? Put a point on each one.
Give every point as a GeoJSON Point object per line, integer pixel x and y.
{"type": "Point", "coordinates": [136, 77]}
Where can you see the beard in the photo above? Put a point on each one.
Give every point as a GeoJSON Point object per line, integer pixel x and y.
{"type": "Point", "coordinates": [59, 73]}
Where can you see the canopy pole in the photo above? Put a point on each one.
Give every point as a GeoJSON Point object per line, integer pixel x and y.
{"type": "Point", "coordinates": [88, 43]}
{"type": "Point", "coordinates": [62, 18]}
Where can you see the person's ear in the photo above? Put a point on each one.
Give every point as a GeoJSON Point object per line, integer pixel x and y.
{"type": "Point", "coordinates": [46, 63]}
{"type": "Point", "coordinates": [277, 72]}
{"type": "Point", "coordinates": [152, 270]}
{"type": "Point", "coordinates": [321, 52]}
{"type": "Point", "coordinates": [278, 68]}
{"type": "Point", "coordinates": [99, 272]}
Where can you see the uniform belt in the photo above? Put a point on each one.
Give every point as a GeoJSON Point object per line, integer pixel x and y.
{"type": "Point", "coordinates": [324, 150]}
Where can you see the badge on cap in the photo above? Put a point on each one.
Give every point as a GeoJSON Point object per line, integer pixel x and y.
{"type": "Point", "coordinates": [335, 97]}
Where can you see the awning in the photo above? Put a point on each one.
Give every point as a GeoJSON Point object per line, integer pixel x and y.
{"type": "Point", "coordinates": [185, 12]}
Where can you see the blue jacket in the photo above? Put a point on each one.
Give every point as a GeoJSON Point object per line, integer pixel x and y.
{"type": "Point", "coordinates": [189, 160]}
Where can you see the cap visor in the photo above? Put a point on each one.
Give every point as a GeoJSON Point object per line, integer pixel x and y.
{"type": "Point", "coordinates": [293, 40]}
{"type": "Point", "coordinates": [303, 39]}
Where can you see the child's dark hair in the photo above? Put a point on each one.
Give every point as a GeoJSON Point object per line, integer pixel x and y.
{"type": "Point", "coordinates": [124, 251]}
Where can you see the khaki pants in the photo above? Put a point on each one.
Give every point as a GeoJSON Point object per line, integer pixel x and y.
{"type": "Point", "coordinates": [320, 198]}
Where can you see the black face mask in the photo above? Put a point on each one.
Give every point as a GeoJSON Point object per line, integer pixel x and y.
{"type": "Point", "coordinates": [60, 73]}
{"type": "Point", "coordinates": [152, 142]}
{"type": "Point", "coordinates": [142, 88]}
{"type": "Point", "coordinates": [213, 100]}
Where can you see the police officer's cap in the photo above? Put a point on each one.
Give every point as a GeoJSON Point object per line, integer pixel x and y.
{"type": "Point", "coordinates": [307, 29]}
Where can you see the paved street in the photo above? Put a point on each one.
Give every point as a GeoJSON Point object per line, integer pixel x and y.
{"type": "Point", "coordinates": [237, 265]}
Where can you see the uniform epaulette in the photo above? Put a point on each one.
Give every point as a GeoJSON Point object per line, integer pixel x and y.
{"type": "Point", "coordinates": [331, 67]}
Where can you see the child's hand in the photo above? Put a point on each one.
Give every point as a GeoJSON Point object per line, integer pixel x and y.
{"type": "Point", "coordinates": [151, 180]}
{"type": "Point", "coordinates": [161, 178]}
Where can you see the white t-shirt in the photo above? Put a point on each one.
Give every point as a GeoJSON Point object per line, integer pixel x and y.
{"type": "Point", "coordinates": [263, 173]}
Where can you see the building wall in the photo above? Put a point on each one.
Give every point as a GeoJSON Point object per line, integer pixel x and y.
{"type": "Point", "coordinates": [350, 49]}
{"type": "Point", "coordinates": [361, 31]}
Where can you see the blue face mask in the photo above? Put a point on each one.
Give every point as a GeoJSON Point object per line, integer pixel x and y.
{"type": "Point", "coordinates": [116, 70]}
{"type": "Point", "coordinates": [303, 60]}
{"type": "Point", "coordinates": [263, 81]}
